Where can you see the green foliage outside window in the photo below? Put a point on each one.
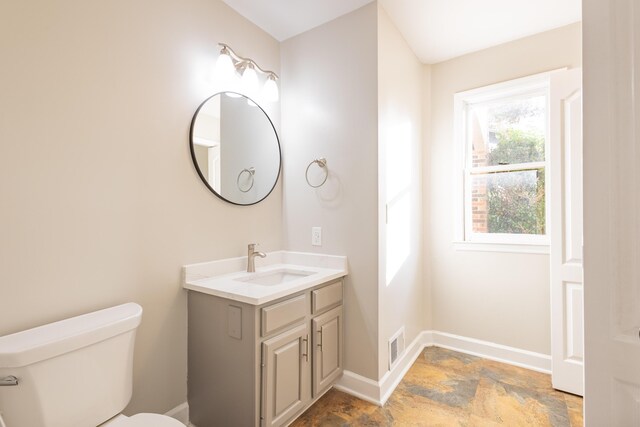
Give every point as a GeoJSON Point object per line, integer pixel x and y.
{"type": "Point", "coordinates": [516, 200]}
{"type": "Point", "coordinates": [516, 146]}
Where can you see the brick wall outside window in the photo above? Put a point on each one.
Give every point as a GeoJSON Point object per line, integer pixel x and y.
{"type": "Point", "coordinates": [479, 208]}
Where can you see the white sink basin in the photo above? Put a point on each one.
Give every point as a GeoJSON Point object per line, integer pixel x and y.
{"type": "Point", "coordinates": [276, 277]}
{"type": "Point", "coordinates": [280, 274]}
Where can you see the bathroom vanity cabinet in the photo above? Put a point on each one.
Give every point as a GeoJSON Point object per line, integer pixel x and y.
{"type": "Point", "coordinates": [262, 365]}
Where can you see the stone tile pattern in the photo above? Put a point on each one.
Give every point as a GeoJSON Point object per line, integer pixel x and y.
{"type": "Point", "coordinates": [447, 388]}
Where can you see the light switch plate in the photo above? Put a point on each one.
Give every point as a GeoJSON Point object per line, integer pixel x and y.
{"type": "Point", "coordinates": [316, 236]}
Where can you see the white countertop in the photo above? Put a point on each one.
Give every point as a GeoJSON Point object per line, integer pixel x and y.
{"type": "Point", "coordinates": [223, 278]}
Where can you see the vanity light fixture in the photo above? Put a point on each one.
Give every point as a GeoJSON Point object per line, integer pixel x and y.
{"type": "Point", "coordinates": [225, 69]}
{"type": "Point", "coordinates": [249, 79]}
{"type": "Point", "coordinates": [270, 89]}
{"type": "Point", "coordinates": [230, 66]}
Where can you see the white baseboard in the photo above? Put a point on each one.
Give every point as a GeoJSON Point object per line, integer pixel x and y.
{"type": "Point", "coordinates": [180, 413]}
{"type": "Point", "coordinates": [360, 387]}
{"type": "Point", "coordinates": [377, 392]}
{"type": "Point", "coordinates": [500, 353]}
{"type": "Point", "coordinates": [392, 378]}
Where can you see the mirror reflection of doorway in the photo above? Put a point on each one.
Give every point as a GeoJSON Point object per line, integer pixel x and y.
{"type": "Point", "coordinates": [208, 155]}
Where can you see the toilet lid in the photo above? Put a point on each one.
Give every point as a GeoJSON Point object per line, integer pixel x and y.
{"type": "Point", "coordinates": [147, 420]}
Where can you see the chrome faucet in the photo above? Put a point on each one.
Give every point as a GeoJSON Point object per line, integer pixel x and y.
{"type": "Point", "coordinates": [251, 254]}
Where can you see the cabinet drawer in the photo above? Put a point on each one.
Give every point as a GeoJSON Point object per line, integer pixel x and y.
{"type": "Point", "coordinates": [327, 297]}
{"type": "Point", "coordinates": [283, 314]}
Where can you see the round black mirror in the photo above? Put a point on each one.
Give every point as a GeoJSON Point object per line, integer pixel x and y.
{"type": "Point", "coordinates": [235, 148]}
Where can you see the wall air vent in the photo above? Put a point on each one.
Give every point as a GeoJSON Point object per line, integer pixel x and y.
{"type": "Point", "coordinates": [396, 347]}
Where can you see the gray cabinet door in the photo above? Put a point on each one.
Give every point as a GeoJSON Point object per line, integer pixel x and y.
{"type": "Point", "coordinates": [327, 349]}
{"type": "Point", "coordinates": [285, 375]}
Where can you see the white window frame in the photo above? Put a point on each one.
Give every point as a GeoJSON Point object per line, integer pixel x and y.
{"type": "Point", "coordinates": [464, 238]}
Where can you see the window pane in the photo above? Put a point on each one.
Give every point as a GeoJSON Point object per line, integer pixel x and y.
{"type": "Point", "coordinates": [508, 132]}
{"type": "Point", "coordinates": [508, 202]}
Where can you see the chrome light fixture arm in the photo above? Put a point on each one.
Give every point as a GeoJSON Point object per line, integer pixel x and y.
{"type": "Point", "coordinates": [241, 62]}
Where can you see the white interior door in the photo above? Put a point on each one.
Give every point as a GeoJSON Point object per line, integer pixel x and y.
{"type": "Point", "coordinates": [567, 326]}
{"type": "Point", "coordinates": [612, 211]}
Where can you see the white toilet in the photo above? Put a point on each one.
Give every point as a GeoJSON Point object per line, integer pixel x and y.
{"type": "Point", "coordinates": [73, 373]}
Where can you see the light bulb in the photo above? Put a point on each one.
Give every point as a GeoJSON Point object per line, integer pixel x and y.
{"type": "Point", "coordinates": [270, 90]}
{"type": "Point", "coordinates": [225, 72]}
{"type": "Point", "coordinates": [249, 80]}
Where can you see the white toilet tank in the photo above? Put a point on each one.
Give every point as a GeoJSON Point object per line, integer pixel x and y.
{"type": "Point", "coordinates": [72, 373]}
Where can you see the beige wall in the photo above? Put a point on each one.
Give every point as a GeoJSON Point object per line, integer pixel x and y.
{"type": "Point", "coordinates": [427, 90]}
{"type": "Point", "coordinates": [401, 302]}
{"type": "Point", "coordinates": [329, 109]}
{"type": "Point", "coordinates": [498, 297]}
{"type": "Point", "coordinates": [100, 203]}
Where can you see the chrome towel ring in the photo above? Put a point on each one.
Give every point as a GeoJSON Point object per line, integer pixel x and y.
{"type": "Point", "coordinates": [322, 163]}
{"type": "Point", "coordinates": [251, 171]}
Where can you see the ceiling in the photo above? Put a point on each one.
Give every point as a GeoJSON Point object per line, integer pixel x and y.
{"type": "Point", "coordinates": [436, 30]}
{"type": "Point", "coordinates": [287, 18]}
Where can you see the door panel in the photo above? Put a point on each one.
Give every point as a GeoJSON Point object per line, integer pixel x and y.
{"type": "Point", "coordinates": [570, 82]}
{"type": "Point", "coordinates": [574, 324]}
{"type": "Point", "coordinates": [287, 390]}
{"type": "Point", "coordinates": [612, 223]}
{"type": "Point", "coordinates": [327, 349]}
{"type": "Point", "coordinates": [567, 326]}
{"type": "Point", "coordinates": [286, 374]}
{"type": "Point", "coordinates": [626, 403]}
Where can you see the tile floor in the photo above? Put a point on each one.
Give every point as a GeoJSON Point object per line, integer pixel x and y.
{"type": "Point", "coordinates": [446, 388]}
